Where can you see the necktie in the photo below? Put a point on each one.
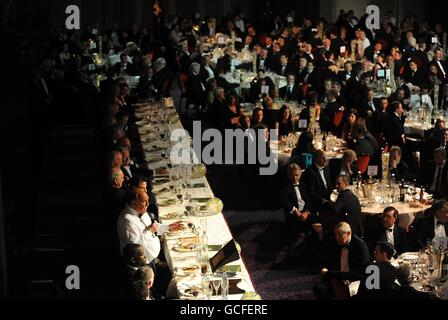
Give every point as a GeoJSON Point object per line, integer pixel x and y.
{"type": "Point", "coordinates": [440, 223]}
{"type": "Point", "coordinates": [388, 230]}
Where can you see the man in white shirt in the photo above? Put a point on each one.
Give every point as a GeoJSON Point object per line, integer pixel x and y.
{"type": "Point", "coordinates": [135, 226]}
{"type": "Point", "coordinates": [435, 225]}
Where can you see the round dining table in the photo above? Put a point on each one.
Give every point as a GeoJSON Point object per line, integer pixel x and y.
{"type": "Point", "coordinates": [407, 211]}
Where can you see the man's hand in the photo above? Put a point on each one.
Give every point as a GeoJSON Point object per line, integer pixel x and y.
{"type": "Point", "coordinates": [177, 226]}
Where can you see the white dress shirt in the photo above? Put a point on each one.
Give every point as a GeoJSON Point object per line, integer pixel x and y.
{"type": "Point", "coordinates": [131, 229]}
{"type": "Point", "coordinates": [439, 230]}
{"type": "Point", "coordinates": [390, 235]}
{"type": "Point", "coordinates": [300, 202]}
{"type": "Point", "coordinates": [321, 172]}
{"type": "Point", "coordinates": [441, 68]}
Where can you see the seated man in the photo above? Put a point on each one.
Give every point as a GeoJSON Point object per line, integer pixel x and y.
{"type": "Point", "coordinates": [116, 197]}
{"type": "Point", "coordinates": [346, 252]}
{"type": "Point", "coordinates": [141, 183]}
{"type": "Point", "coordinates": [368, 289]}
{"type": "Point", "coordinates": [434, 174]}
{"type": "Point", "coordinates": [388, 231]}
{"type": "Point", "coordinates": [405, 291]}
{"type": "Point", "coordinates": [135, 226]}
{"type": "Point", "coordinates": [397, 166]}
{"type": "Point", "coordinates": [145, 276]}
{"type": "Point", "coordinates": [432, 226]}
{"type": "Point", "coordinates": [133, 258]}
{"type": "Point", "coordinates": [297, 207]}
{"type": "Point", "coordinates": [317, 178]}
{"type": "Point", "coordinates": [347, 207]}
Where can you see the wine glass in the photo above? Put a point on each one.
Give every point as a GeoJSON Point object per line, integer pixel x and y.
{"type": "Point", "coordinates": [216, 285]}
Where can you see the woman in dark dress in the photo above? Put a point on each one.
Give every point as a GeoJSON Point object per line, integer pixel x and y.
{"type": "Point", "coordinates": [284, 122]}
{"type": "Point", "coordinates": [304, 150]}
{"type": "Point", "coordinates": [230, 117]}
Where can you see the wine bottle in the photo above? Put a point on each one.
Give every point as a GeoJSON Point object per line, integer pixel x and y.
{"type": "Point", "coordinates": [402, 191]}
{"type": "Point", "coordinates": [445, 268]}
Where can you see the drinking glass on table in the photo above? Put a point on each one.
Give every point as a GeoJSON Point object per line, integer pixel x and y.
{"type": "Point", "coordinates": [224, 285]}
{"type": "Point", "coordinates": [216, 282]}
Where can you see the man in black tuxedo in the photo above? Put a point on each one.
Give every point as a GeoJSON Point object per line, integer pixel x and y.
{"type": "Point", "coordinates": [124, 66]}
{"type": "Point", "coordinates": [431, 226]}
{"type": "Point", "coordinates": [382, 254]}
{"type": "Point", "coordinates": [284, 67]}
{"type": "Point", "coordinates": [263, 61]}
{"type": "Point", "coordinates": [388, 231]}
{"type": "Point", "coordinates": [415, 75]}
{"type": "Point", "coordinates": [317, 178]}
{"type": "Point", "coordinates": [434, 174]}
{"type": "Point", "coordinates": [195, 88]}
{"type": "Point", "coordinates": [291, 91]}
{"type": "Point", "coordinates": [302, 71]}
{"type": "Point", "coordinates": [362, 146]}
{"type": "Point", "coordinates": [369, 106]}
{"type": "Point", "coordinates": [116, 193]}
{"type": "Point", "coordinates": [394, 126]}
{"type": "Point", "coordinates": [296, 204]}
{"type": "Point", "coordinates": [345, 253]}
{"type": "Point", "coordinates": [442, 68]}
{"type": "Point", "coordinates": [348, 208]}
{"type": "Point", "coordinates": [438, 139]}
{"type": "Point", "coordinates": [345, 75]}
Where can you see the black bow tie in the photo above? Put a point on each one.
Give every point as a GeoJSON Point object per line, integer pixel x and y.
{"type": "Point", "coordinates": [347, 246]}
{"type": "Point", "coordinates": [440, 223]}
{"type": "Point", "coordinates": [390, 230]}
{"type": "Point", "coordinates": [295, 185]}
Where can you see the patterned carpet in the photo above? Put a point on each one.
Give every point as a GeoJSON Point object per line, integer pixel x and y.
{"type": "Point", "coordinates": [259, 252]}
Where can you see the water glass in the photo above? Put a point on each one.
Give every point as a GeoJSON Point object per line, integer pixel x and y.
{"type": "Point", "coordinates": [224, 286]}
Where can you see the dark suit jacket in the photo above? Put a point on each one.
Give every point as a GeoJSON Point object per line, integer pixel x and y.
{"type": "Point", "coordinates": [417, 79]}
{"type": "Point", "coordinates": [365, 107]}
{"type": "Point", "coordinates": [288, 69]}
{"type": "Point", "coordinates": [378, 234]}
{"type": "Point", "coordinates": [315, 186]}
{"type": "Point", "coordinates": [388, 275]}
{"type": "Point", "coordinates": [195, 91]}
{"type": "Point", "coordinates": [348, 209]}
{"type": "Point", "coordinates": [357, 258]}
{"type": "Point", "coordinates": [427, 178]}
{"type": "Point", "coordinates": [363, 147]}
{"type": "Point", "coordinates": [289, 198]}
{"type": "Point", "coordinates": [293, 96]}
{"type": "Point", "coordinates": [424, 230]}
{"type": "Point", "coordinates": [393, 130]}
{"type": "Point", "coordinates": [439, 71]}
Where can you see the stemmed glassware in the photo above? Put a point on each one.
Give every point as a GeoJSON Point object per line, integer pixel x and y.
{"type": "Point", "coordinates": [216, 285]}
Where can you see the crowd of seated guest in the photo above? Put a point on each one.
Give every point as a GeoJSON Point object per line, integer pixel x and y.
{"type": "Point", "coordinates": [308, 61]}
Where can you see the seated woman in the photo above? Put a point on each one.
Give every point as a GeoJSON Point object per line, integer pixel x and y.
{"type": "Point", "coordinates": [230, 117]}
{"type": "Point", "coordinates": [352, 117]}
{"type": "Point", "coordinates": [284, 123]}
{"type": "Point", "coordinates": [304, 150]}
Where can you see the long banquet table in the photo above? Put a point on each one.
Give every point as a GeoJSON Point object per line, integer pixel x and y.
{"type": "Point", "coordinates": [171, 210]}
